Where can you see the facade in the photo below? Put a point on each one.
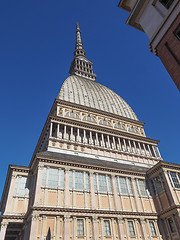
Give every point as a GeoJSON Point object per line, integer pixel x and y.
{"type": "Point", "coordinates": [160, 20]}
{"type": "Point", "coordinates": [94, 173]}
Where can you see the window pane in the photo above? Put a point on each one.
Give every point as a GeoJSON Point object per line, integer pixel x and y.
{"type": "Point", "coordinates": [22, 186]}
{"type": "Point", "coordinates": [79, 181]}
{"type": "Point", "coordinates": [175, 179]}
{"type": "Point", "coordinates": [70, 180]}
{"type": "Point", "coordinates": [16, 185]}
{"type": "Point", "coordinates": [158, 185]}
{"type": "Point", "coordinates": [152, 227]}
{"type": "Point", "coordinates": [80, 227]}
{"type": "Point", "coordinates": [107, 228]}
{"type": "Point", "coordinates": [171, 225]}
{"type": "Point", "coordinates": [102, 183]}
{"type": "Point", "coordinates": [109, 183]}
{"type": "Point", "coordinates": [142, 187]}
{"type": "Point", "coordinates": [131, 228]}
{"type": "Point", "coordinates": [95, 182]}
{"type": "Point", "coordinates": [62, 179]}
{"type": "Point", "coordinates": [53, 177]}
{"type": "Point", "coordinates": [129, 185]}
{"type": "Point", "coordinates": [117, 184]}
{"type": "Point", "coordinates": [87, 181]}
{"type": "Point", "coordinates": [123, 185]}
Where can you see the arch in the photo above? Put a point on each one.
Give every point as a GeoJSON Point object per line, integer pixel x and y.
{"type": "Point", "coordinates": [72, 115]}
{"type": "Point", "coordinates": [89, 119]}
{"type": "Point", "coordinates": [119, 126]}
{"type": "Point", "coordinates": [132, 129]}
{"type": "Point", "coordinates": [104, 122]}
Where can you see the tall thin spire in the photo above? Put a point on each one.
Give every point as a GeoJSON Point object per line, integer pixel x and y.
{"type": "Point", "coordinates": [80, 65]}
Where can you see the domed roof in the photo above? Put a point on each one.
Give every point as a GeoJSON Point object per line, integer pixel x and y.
{"type": "Point", "coordinates": [82, 91]}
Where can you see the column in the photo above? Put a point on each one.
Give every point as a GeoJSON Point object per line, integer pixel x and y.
{"type": "Point", "coordinates": [120, 147]}
{"type": "Point", "coordinates": [114, 143]}
{"type": "Point", "coordinates": [120, 229]}
{"type": "Point", "coordinates": [46, 187]}
{"type": "Point", "coordinates": [130, 195]}
{"type": "Point", "coordinates": [57, 228]}
{"type": "Point", "coordinates": [125, 147]}
{"type": "Point", "coordinates": [58, 130]}
{"type": "Point", "coordinates": [143, 229]}
{"type": "Point", "coordinates": [66, 227]}
{"type": "Point", "coordinates": [97, 140]}
{"type": "Point", "coordinates": [38, 185]}
{"type": "Point", "coordinates": [84, 138]}
{"type": "Point", "coordinates": [130, 147]}
{"type": "Point", "coordinates": [136, 229]}
{"type": "Point", "coordinates": [102, 228]}
{"type": "Point", "coordinates": [148, 229]}
{"type": "Point", "coordinates": [145, 149]}
{"type": "Point", "coordinates": [51, 127]}
{"type": "Point", "coordinates": [3, 230]}
{"type": "Point", "coordinates": [113, 229]}
{"type": "Point", "coordinates": [78, 136]}
{"type": "Point", "coordinates": [150, 153]}
{"type": "Point", "coordinates": [33, 227]}
{"type": "Point", "coordinates": [87, 228]}
{"type": "Point", "coordinates": [140, 148]}
{"type": "Point", "coordinates": [74, 228]}
{"type": "Point", "coordinates": [109, 145]}
{"type": "Point", "coordinates": [102, 136]}
{"type": "Point", "coordinates": [91, 140]}
{"type": "Point", "coordinates": [127, 228]}
{"type": "Point", "coordinates": [43, 227]}
{"type": "Point", "coordinates": [115, 195]}
{"type": "Point", "coordinates": [136, 198]}
{"type": "Point", "coordinates": [66, 188]}
{"type": "Point", "coordinates": [135, 147]}
{"type": "Point", "coordinates": [95, 228]}
{"type": "Point", "coordinates": [65, 128]}
{"type": "Point", "coordinates": [71, 135]}
{"type": "Point", "coordinates": [85, 191]}
{"type": "Point", "coordinates": [93, 202]}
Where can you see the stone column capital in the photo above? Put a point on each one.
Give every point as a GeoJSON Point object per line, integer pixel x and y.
{"type": "Point", "coordinates": [66, 218]}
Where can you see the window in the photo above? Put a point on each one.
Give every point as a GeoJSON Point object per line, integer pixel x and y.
{"type": "Point", "coordinates": [156, 151]}
{"type": "Point", "coordinates": [119, 126]}
{"type": "Point", "coordinates": [158, 185]}
{"type": "Point", "coordinates": [102, 183]}
{"type": "Point", "coordinates": [79, 181]}
{"type": "Point", "coordinates": [87, 181]}
{"type": "Point", "coordinates": [107, 228]}
{"type": "Point", "coordinates": [171, 225]}
{"type": "Point", "coordinates": [72, 115]}
{"type": "Point", "coordinates": [166, 3]}
{"type": "Point", "coordinates": [70, 180]}
{"type": "Point", "coordinates": [95, 182]}
{"type": "Point", "coordinates": [105, 122]}
{"type": "Point", "coordinates": [131, 229]}
{"type": "Point", "coordinates": [53, 177]}
{"type": "Point", "coordinates": [175, 180]}
{"type": "Point", "coordinates": [123, 185]}
{"type": "Point", "coordinates": [22, 183]}
{"type": "Point", "coordinates": [152, 228]}
{"type": "Point", "coordinates": [132, 129]}
{"type": "Point", "coordinates": [80, 227]}
{"type": "Point", "coordinates": [89, 119]}
{"type": "Point", "coordinates": [142, 187]}
{"type": "Point", "coordinates": [109, 183]}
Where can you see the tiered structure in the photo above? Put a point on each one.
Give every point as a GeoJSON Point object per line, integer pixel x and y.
{"type": "Point", "coordinates": [160, 20]}
{"type": "Point", "coordinates": [94, 173]}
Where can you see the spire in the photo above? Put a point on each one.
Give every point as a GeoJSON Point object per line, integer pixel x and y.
{"type": "Point", "coordinates": [80, 65]}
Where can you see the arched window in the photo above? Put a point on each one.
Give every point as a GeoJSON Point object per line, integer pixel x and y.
{"type": "Point", "coordinates": [104, 122]}
{"type": "Point", "coordinates": [132, 129]}
{"type": "Point", "coordinates": [72, 115]}
{"type": "Point", "coordinates": [89, 119]}
{"type": "Point", "coordinates": [119, 126]}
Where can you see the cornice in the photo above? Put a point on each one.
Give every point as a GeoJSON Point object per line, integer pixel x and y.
{"type": "Point", "coordinates": [169, 210]}
{"type": "Point", "coordinates": [86, 165]}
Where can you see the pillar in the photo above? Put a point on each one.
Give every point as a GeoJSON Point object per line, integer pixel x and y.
{"type": "Point", "coordinates": [102, 228]}
{"type": "Point", "coordinates": [3, 230]}
{"type": "Point", "coordinates": [66, 227]}
{"type": "Point", "coordinates": [120, 229]}
{"type": "Point", "coordinates": [93, 202]}
{"type": "Point", "coordinates": [57, 227]}
{"type": "Point", "coordinates": [38, 185]}
{"type": "Point", "coordinates": [43, 227]}
{"type": "Point", "coordinates": [95, 228]}
{"type": "Point", "coordinates": [66, 188]}
{"type": "Point", "coordinates": [33, 227]}
{"type": "Point", "coordinates": [136, 198]}
{"type": "Point", "coordinates": [143, 229]}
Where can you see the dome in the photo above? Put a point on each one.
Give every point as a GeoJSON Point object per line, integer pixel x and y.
{"type": "Point", "coordinates": [78, 90]}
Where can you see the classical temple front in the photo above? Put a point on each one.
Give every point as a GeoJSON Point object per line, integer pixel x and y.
{"type": "Point", "coordinates": [94, 174]}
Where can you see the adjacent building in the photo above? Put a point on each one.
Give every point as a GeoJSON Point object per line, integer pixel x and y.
{"type": "Point", "coordinates": [94, 174]}
{"type": "Point", "coordinates": [160, 20]}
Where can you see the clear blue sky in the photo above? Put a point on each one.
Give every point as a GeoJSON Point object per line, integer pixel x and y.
{"type": "Point", "coordinates": [36, 49]}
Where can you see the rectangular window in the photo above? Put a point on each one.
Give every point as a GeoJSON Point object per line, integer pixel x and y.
{"type": "Point", "coordinates": [109, 184]}
{"type": "Point", "coordinates": [95, 182]}
{"type": "Point", "coordinates": [131, 229]}
{"type": "Point", "coordinates": [123, 185]}
{"type": "Point", "coordinates": [171, 225]}
{"type": "Point", "coordinates": [70, 180]}
{"type": "Point", "coordinates": [87, 181]}
{"type": "Point", "coordinates": [156, 151]}
{"type": "Point", "coordinates": [117, 184]}
{"type": "Point", "coordinates": [129, 186]}
{"type": "Point", "coordinates": [107, 228]}
{"type": "Point", "coordinates": [44, 177]}
{"type": "Point", "coordinates": [142, 187]}
{"type": "Point", "coordinates": [62, 178]}
{"type": "Point", "coordinates": [166, 3]}
{"type": "Point", "coordinates": [79, 181]}
{"type": "Point", "coordinates": [16, 186]}
{"type": "Point", "coordinates": [80, 227]}
{"type": "Point", "coordinates": [53, 177]}
{"type": "Point", "coordinates": [22, 186]}
{"type": "Point", "coordinates": [102, 183]}
{"type": "Point", "coordinates": [158, 185]}
{"type": "Point", "coordinates": [175, 180]}
{"type": "Point", "coordinates": [152, 227]}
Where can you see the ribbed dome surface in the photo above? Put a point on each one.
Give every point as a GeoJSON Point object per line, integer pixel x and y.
{"type": "Point", "coordinates": [89, 93]}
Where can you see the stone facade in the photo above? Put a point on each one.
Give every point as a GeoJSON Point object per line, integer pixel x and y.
{"type": "Point", "coordinates": [93, 175]}
{"type": "Point", "coordinates": [159, 19]}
